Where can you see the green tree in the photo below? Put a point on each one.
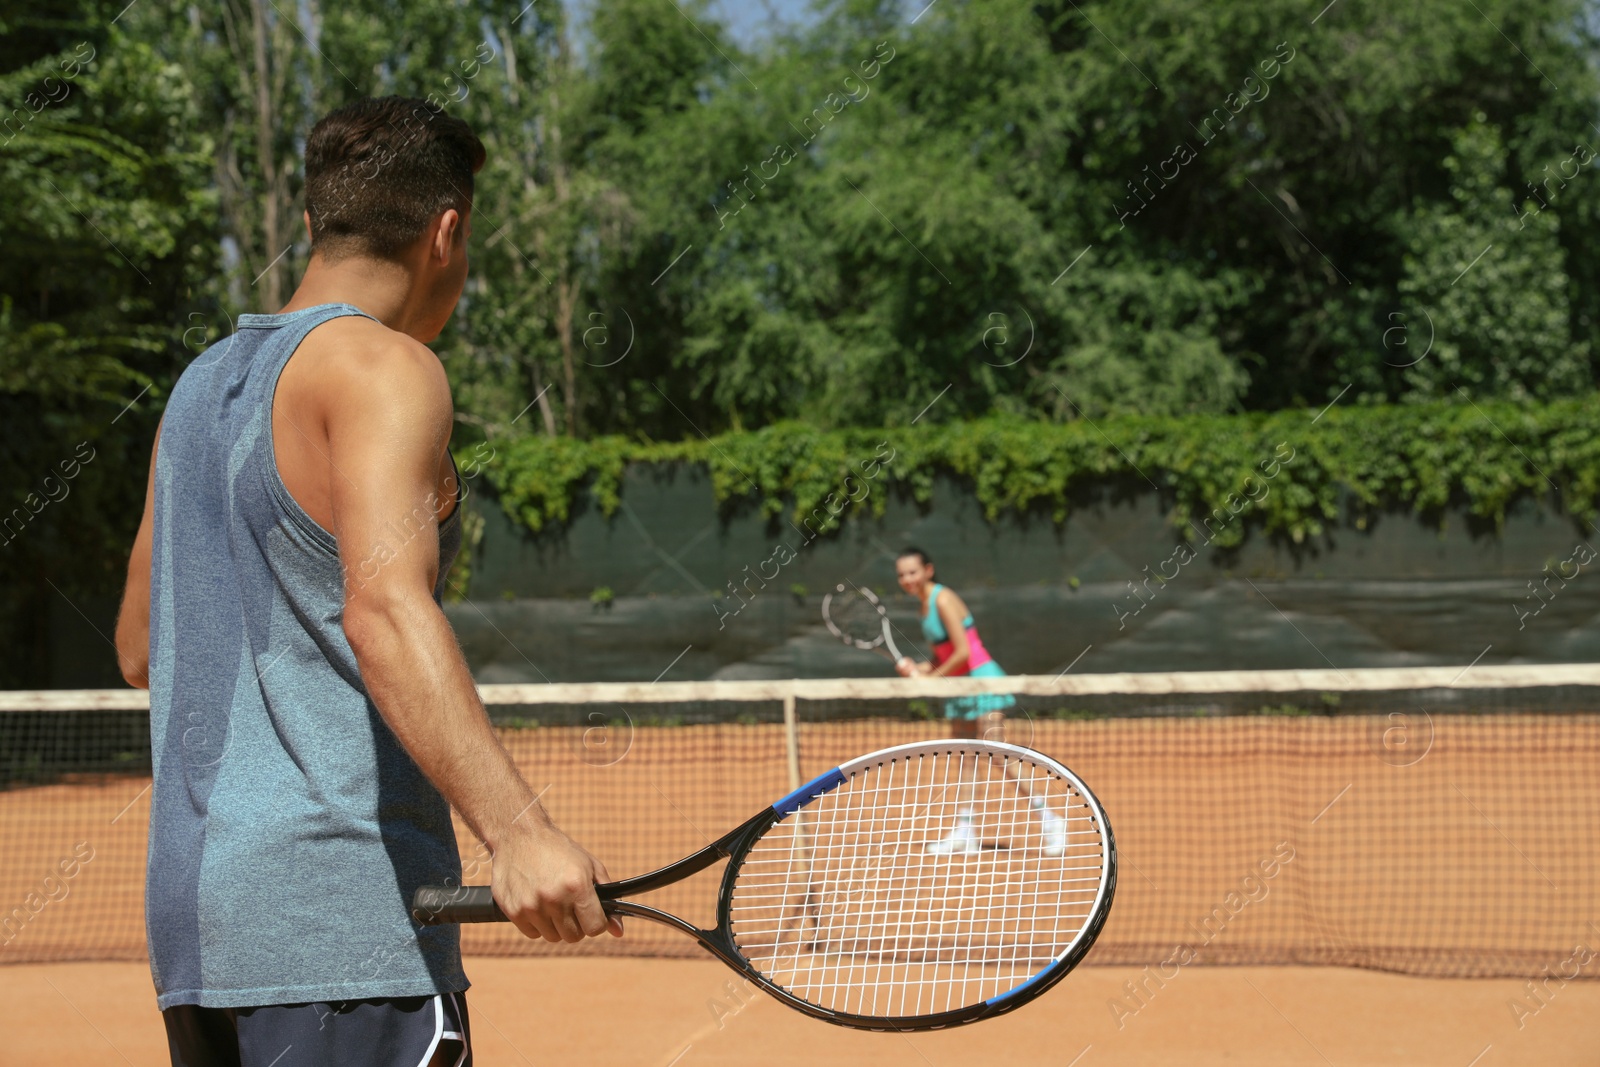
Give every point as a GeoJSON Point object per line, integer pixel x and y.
{"type": "Point", "coordinates": [1493, 285]}
{"type": "Point", "coordinates": [104, 174]}
{"type": "Point", "coordinates": [1214, 212]}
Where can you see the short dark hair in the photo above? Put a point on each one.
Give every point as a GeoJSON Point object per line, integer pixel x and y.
{"type": "Point", "coordinates": [380, 169]}
{"type": "Point", "coordinates": [912, 550]}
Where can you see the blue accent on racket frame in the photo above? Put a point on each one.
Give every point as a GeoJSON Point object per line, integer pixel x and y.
{"type": "Point", "coordinates": [1008, 994]}
{"type": "Point", "coordinates": [808, 792]}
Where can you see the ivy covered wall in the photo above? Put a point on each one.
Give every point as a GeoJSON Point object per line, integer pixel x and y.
{"type": "Point", "coordinates": [1362, 537]}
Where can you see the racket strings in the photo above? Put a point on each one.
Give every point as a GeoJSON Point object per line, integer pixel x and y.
{"type": "Point", "coordinates": [855, 617]}
{"type": "Point", "coordinates": [846, 906]}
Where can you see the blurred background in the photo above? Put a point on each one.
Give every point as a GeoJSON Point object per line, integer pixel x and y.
{"type": "Point", "coordinates": [1300, 292]}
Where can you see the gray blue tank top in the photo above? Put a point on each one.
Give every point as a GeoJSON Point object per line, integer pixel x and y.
{"type": "Point", "coordinates": [288, 827]}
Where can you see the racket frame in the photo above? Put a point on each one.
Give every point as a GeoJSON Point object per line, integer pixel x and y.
{"type": "Point", "coordinates": [884, 645]}
{"type": "Point", "coordinates": [476, 904]}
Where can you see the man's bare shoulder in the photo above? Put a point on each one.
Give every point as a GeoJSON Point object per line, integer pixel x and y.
{"type": "Point", "coordinates": [366, 349]}
{"type": "Point", "coordinates": [358, 363]}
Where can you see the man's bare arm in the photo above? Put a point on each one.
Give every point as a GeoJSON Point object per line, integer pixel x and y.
{"type": "Point", "coordinates": [388, 420]}
{"type": "Point", "coordinates": [133, 620]}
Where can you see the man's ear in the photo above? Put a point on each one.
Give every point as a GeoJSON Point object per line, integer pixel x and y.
{"type": "Point", "coordinates": [450, 223]}
{"type": "Point", "coordinates": [307, 216]}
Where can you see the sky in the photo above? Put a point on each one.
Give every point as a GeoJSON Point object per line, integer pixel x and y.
{"type": "Point", "coordinates": [748, 20]}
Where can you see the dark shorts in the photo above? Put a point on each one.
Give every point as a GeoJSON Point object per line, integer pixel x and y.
{"type": "Point", "coordinates": [393, 1032]}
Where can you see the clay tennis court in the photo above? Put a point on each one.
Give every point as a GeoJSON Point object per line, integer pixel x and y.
{"type": "Point", "coordinates": [1288, 846]}
{"type": "Point", "coordinates": [651, 1013]}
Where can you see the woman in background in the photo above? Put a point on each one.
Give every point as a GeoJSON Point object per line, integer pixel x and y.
{"type": "Point", "coordinates": [958, 651]}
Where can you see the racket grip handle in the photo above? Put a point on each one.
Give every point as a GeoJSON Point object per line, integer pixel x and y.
{"type": "Point", "coordinates": [435, 904]}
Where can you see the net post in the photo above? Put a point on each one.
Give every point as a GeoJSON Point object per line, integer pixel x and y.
{"type": "Point", "coordinates": [791, 739]}
{"type": "Point", "coordinates": [798, 843]}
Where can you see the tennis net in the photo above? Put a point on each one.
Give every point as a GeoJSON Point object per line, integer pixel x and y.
{"type": "Point", "coordinates": [1425, 821]}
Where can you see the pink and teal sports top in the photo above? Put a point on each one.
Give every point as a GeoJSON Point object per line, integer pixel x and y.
{"type": "Point", "coordinates": [979, 663]}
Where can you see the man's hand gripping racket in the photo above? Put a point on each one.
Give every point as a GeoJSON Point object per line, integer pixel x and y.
{"type": "Point", "coordinates": [548, 879]}
{"type": "Point", "coordinates": [837, 902]}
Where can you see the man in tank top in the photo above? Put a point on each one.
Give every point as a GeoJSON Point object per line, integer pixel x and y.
{"type": "Point", "coordinates": [312, 718]}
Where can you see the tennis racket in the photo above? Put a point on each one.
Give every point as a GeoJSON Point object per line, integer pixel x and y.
{"type": "Point", "coordinates": [839, 901]}
{"type": "Point", "coordinates": [858, 618]}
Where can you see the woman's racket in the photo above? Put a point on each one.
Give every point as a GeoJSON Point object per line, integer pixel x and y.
{"type": "Point", "coordinates": [834, 902]}
{"type": "Point", "coordinates": [855, 616]}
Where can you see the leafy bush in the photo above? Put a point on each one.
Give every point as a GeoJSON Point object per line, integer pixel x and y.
{"type": "Point", "coordinates": [1300, 466]}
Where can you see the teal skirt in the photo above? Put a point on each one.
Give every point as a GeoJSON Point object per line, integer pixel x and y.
{"type": "Point", "coordinates": [979, 705]}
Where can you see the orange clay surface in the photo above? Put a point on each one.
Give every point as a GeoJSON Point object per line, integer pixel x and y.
{"type": "Point", "coordinates": [655, 1013]}
{"type": "Point", "coordinates": [1475, 850]}
{"type": "Point", "coordinates": [1472, 855]}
